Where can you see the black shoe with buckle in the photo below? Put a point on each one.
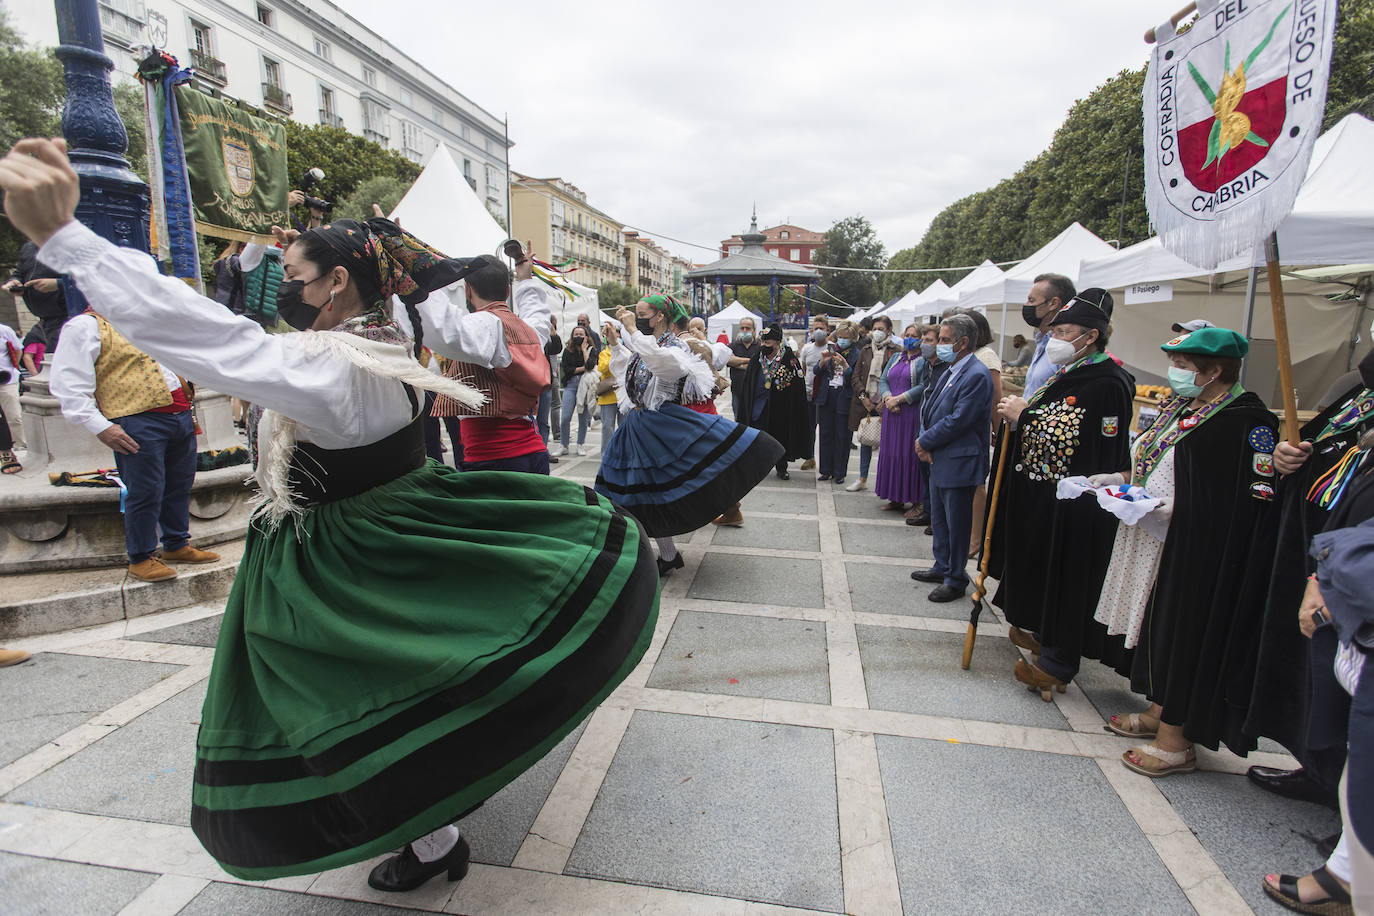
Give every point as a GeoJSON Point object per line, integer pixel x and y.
{"type": "Point", "coordinates": [405, 872]}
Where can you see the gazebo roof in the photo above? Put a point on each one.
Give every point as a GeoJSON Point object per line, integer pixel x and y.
{"type": "Point", "coordinates": [753, 265]}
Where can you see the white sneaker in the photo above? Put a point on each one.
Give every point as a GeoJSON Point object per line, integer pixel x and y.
{"type": "Point", "coordinates": [856, 486]}
{"type": "Point", "coordinates": [559, 452]}
{"type": "Point", "coordinates": [581, 450]}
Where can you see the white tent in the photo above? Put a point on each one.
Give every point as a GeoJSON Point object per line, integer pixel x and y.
{"type": "Point", "coordinates": [728, 319]}
{"type": "Point", "coordinates": [984, 274]}
{"type": "Point", "coordinates": [442, 210]}
{"type": "Point", "coordinates": [905, 311]}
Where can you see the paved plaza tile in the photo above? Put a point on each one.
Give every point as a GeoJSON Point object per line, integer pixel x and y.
{"type": "Point", "coordinates": [918, 671]}
{"type": "Point", "coordinates": [758, 580]}
{"type": "Point", "coordinates": [140, 771]}
{"type": "Point", "coordinates": [770, 534]}
{"type": "Point", "coordinates": [889, 540]}
{"type": "Point", "coordinates": [680, 808]}
{"type": "Point", "coordinates": [201, 632]}
{"type": "Point", "coordinates": [997, 830]}
{"type": "Point", "coordinates": [776, 499]}
{"type": "Point", "coordinates": [738, 655]}
{"type": "Point", "coordinates": [884, 588]}
{"type": "Point", "coordinates": [27, 886]}
{"type": "Point", "coordinates": [53, 693]}
{"type": "Point", "coordinates": [236, 900]}
{"type": "Point", "coordinates": [863, 504]}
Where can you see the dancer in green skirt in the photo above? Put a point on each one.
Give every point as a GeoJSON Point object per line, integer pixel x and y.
{"type": "Point", "coordinates": [402, 640]}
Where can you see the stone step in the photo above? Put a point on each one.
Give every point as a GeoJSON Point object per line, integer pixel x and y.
{"type": "Point", "coordinates": [32, 604]}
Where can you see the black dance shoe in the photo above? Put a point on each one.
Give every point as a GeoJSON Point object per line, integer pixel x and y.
{"type": "Point", "coordinates": [823, 477]}
{"type": "Point", "coordinates": [666, 567]}
{"type": "Point", "coordinates": [928, 575]}
{"type": "Point", "coordinates": [1295, 784]}
{"type": "Point", "coordinates": [405, 872]}
{"type": "Point", "coordinates": [783, 475]}
{"type": "Point", "coordinates": [945, 594]}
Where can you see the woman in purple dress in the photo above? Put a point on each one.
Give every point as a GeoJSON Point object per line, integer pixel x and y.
{"type": "Point", "coordinates": [898, 480]}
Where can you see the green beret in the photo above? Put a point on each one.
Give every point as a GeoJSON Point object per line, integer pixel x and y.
{"type": "Point", "coordinates": [1210, 342]}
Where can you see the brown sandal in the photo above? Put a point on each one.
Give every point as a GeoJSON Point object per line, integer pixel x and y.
{"type": "Point", "coordinates": [1161, 762]}
{"type": "Point", "coordinates": [1284, 890]}
{"type": "Point", "coordinates": [1137, 725]}
{"type": "Point", "coordinates": [9, 464]}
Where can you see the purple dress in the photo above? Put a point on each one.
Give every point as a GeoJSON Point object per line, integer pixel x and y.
{"type": "Point", "coordinates": [897, 479]}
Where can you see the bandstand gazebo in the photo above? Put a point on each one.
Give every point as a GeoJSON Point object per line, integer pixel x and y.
{"type": "Point", "coordinates": [752, 265]}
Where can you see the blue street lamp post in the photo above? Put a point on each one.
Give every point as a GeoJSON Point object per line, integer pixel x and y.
{"type": "Point", "coordinates": [114, 201]}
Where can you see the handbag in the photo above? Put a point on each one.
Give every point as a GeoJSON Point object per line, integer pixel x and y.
{"type": "Point", "coordinates": [871, 431]}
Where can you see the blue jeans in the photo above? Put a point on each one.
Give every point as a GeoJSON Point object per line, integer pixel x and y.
{"type": "Point", "coordinates": [570, 408]}
{"type": "Point", "coordinates": [865, 460]}
{"type": "Point", "coordinates": [610, 419]}
{"type": "Point", "coordinates": [951, 525]}
{"type": "Point", "coordinates": [541, 414]}
{"type": "Point", "coordinates": [158, 479]}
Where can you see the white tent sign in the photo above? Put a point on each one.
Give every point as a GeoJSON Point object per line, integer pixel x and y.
{"type": "Point", "coordinates": [1140, 293]}
{"type": "Point", "coordinates": [1232, 107]}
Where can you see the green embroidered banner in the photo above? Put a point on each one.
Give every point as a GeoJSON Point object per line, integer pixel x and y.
{"type": "Point", "coordinates": [236, 162]}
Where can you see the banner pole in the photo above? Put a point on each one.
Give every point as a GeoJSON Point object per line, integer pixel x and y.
{"type": "Point", "coordinates": [1176, 18]}
{"type": "Point", "coordinates": [979, 587]}
{"type": "Point", "coordinates": [1285, 357]}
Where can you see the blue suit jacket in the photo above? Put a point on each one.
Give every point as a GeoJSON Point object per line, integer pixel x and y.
{"type": "Point", "coordinates": [835, 399]}
{"type": "Point", "coordinates": [955, 426]}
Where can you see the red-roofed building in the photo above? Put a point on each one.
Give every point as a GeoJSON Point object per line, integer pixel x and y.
{"type": "Point", "coordinates": [791, 243]}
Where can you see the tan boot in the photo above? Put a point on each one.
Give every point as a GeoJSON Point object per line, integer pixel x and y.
{"type": "Point", "coordinates": [12, 657]}
{"type": "Point", "coordinates": [152, 570]}
{"type": "Point", "coordinates": [809, 464]}
{"type": "Point", "coordinates": [189, 554]}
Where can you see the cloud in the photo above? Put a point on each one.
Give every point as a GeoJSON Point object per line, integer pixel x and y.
{"type": "Point", "coordinates": [677, 119]}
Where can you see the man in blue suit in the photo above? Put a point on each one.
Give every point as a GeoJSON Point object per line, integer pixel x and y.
{"type": "Point", "coordinates": [954, 442]}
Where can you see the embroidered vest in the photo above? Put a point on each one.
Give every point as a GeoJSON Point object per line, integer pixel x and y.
{"type": "Point", "coordinates": [512, 391]}
{"type": "Point", "coordinates": [127, 380]}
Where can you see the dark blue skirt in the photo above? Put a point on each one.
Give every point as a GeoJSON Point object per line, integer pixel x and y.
{"type": "Point", "coordinates": [675, 469]}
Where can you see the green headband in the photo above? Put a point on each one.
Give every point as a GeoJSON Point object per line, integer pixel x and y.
{"type": "Point", "coordinates": [669, 306]}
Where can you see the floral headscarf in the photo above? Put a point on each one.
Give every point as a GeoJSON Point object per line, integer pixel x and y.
{"type": "Point", "coordinates": [399, 263]}
{"type": "Point", "coordinates": [669, 306]}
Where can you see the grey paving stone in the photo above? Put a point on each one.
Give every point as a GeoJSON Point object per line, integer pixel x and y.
{"type": "Point", "coordinates": [748, 656]}
{"type": "Point", "coordinates": [918, 671]}
{"type": "Point", "coordinates": [770, 499]}
{"type": "Point", "coordinates": [141, 771]}
{"type": "Point", "coordinates": [238, 900]}
{"type": "Point", "coordinates": [30, 886]}
{"type": "Point", "coordinates": [885, 541]}
{"type": "Point", "coordinates": [53, 693]}
{"type": "Point", "coordinates": [771, 533]}
{"type": "Point", "coordinates": [862, 504]}
{"type": "Point", "coordinates": [739, 809]}
{"type": "Point", "coordinates": [758, 580]}
{"type": "Point", "coordinates": [995, 830]}
{"type": "Point", "coordinates": [798, 479]}
{"type": "Point", "coordinates": [203, 632]}
{"type": "Point", "coordinates": [876, 588]}
{"type": "Point", "coordinates": [1248, 831]}
{"type": "Point", "coordinates": [496, 830]}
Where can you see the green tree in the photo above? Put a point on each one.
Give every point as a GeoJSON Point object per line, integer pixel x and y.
{"type": "Point", "coordinates": [1351, 86]}
{"type": "Point", "coordinates": [31, 94]}
{"type": "Point", "coordinates": [851, 242]}
{"type": "Point", "coordinates": [128, 99]}
{"type": "Point", "coordinates": [384, 190]}
{"type": "Point", "coordinates": [755, 298]}
{"type": "Point", "coordinates": [612, 295]}
{"type": "Point", "coordinates": [347, 160]}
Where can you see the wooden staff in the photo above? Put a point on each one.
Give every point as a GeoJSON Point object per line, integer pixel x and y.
{"type": "Point", "coordinates": [1285, 356]}
{"type": "Point", "coordinates": [1176, 18]}
{"type": "Point", "coordinates": [979, 591]}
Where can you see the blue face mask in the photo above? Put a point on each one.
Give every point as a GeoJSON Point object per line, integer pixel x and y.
{"type": "Point", "coordinates": [1184, 382]}
{"type": "Point", "coordinates": [911, 343]}
{"type": "Point", "coordinates": [842, 342]}
{"type": "Point", "coordinates": [746, 336]}
{"type": "Point", "coordinates": [945, 352]}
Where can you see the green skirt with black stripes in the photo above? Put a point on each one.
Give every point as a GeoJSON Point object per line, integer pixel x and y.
{"type": "Point", "coordinates": [402, 655]}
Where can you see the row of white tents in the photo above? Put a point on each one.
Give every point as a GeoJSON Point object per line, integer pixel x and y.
{"type": "Point", "coordinates": [1326, 247]}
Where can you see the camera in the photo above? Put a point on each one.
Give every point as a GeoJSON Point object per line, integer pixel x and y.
{"type": "Point", "coordinates": [308, 181]}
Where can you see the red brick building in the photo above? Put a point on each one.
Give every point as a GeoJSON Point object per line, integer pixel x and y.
{"type": "Point", "coordinates": [791, 243]}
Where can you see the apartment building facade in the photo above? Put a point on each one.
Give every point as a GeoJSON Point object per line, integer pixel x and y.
{"type": "Point", "coordinates": [553, 214]}
{"type": "Point", "coordinates": [786, 241]}
{"type": "Point", "coordinates": [307, 60]}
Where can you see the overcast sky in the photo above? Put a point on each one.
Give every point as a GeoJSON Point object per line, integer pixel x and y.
{"type": "Point", "coordinates": [675, 118]}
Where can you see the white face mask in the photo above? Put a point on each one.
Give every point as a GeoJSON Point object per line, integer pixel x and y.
{"type": "Point", "coordinates": [1061, 352]}
{"type": "Point", "coordinates": [879, 338]}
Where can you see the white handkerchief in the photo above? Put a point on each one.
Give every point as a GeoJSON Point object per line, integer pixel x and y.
{"type": "Point", "coordinates": [1128, 503]}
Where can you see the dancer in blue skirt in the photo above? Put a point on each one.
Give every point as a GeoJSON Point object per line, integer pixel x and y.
{"type": "Point", "coordinates": [673, 468]}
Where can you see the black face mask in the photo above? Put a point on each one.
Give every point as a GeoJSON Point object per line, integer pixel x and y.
{"type": "Point", "coordinates": [294, 310]}
{"type": "Point", "coordinates": [1028, 314]}
{"type": "Point", "coordinates": [1367, 369]}
{"type": "Point", "coordinates": [644, 326]}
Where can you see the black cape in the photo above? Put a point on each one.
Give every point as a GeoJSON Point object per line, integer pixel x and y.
{"type": "Point", "coordinates": [1197, 642]}
{"type": "Point", "coordinates": [1280, 700]}
{"type": "Point", "coordinates": [784, 415]}
{"type": "Point", "coordinates": [1050, 555]}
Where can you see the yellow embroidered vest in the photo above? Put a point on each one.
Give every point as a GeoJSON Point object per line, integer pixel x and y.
{"type": "Point", "coordinates": [127, 380]}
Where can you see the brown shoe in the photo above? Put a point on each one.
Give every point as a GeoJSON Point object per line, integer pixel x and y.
{"type": "Point", "coordinates": [734, 518]}
{"type": "Point", "coordinates": [12, 657]}
{"type": "Point", "coordinates": [189, 554]}
{"type": "Point", "coordinates": [809, 464]}
{"type": "Point", "coordinates": [1024, 640]}
{"type": "Point", "coordinates": [1037, 679]}
{"type": "Point", "coordinates": [152, 570]}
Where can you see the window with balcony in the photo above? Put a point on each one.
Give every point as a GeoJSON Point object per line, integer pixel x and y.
{"type": "Point", "coordinates": [266, 16]}
{"type": "Point", "coordinates": [410, 141]}
{"type": "Point", "coordinates": [321, 48]}
{"type": "Point", "coordinates": [370, 76]}
{"type": "Point", "coordinates": [328, 116]}
{"type": "Point", "coordinates": [273, 95]}
{"type": "Point", "coordinates": [203, 60]}
{"type": "Point", "coordinates": [467, 173]}
{"type": "Point", "coordinates": [376, 123]}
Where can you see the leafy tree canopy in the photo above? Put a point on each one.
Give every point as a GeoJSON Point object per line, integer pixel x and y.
{"type": "Point", "coordinates": [851, 242]}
